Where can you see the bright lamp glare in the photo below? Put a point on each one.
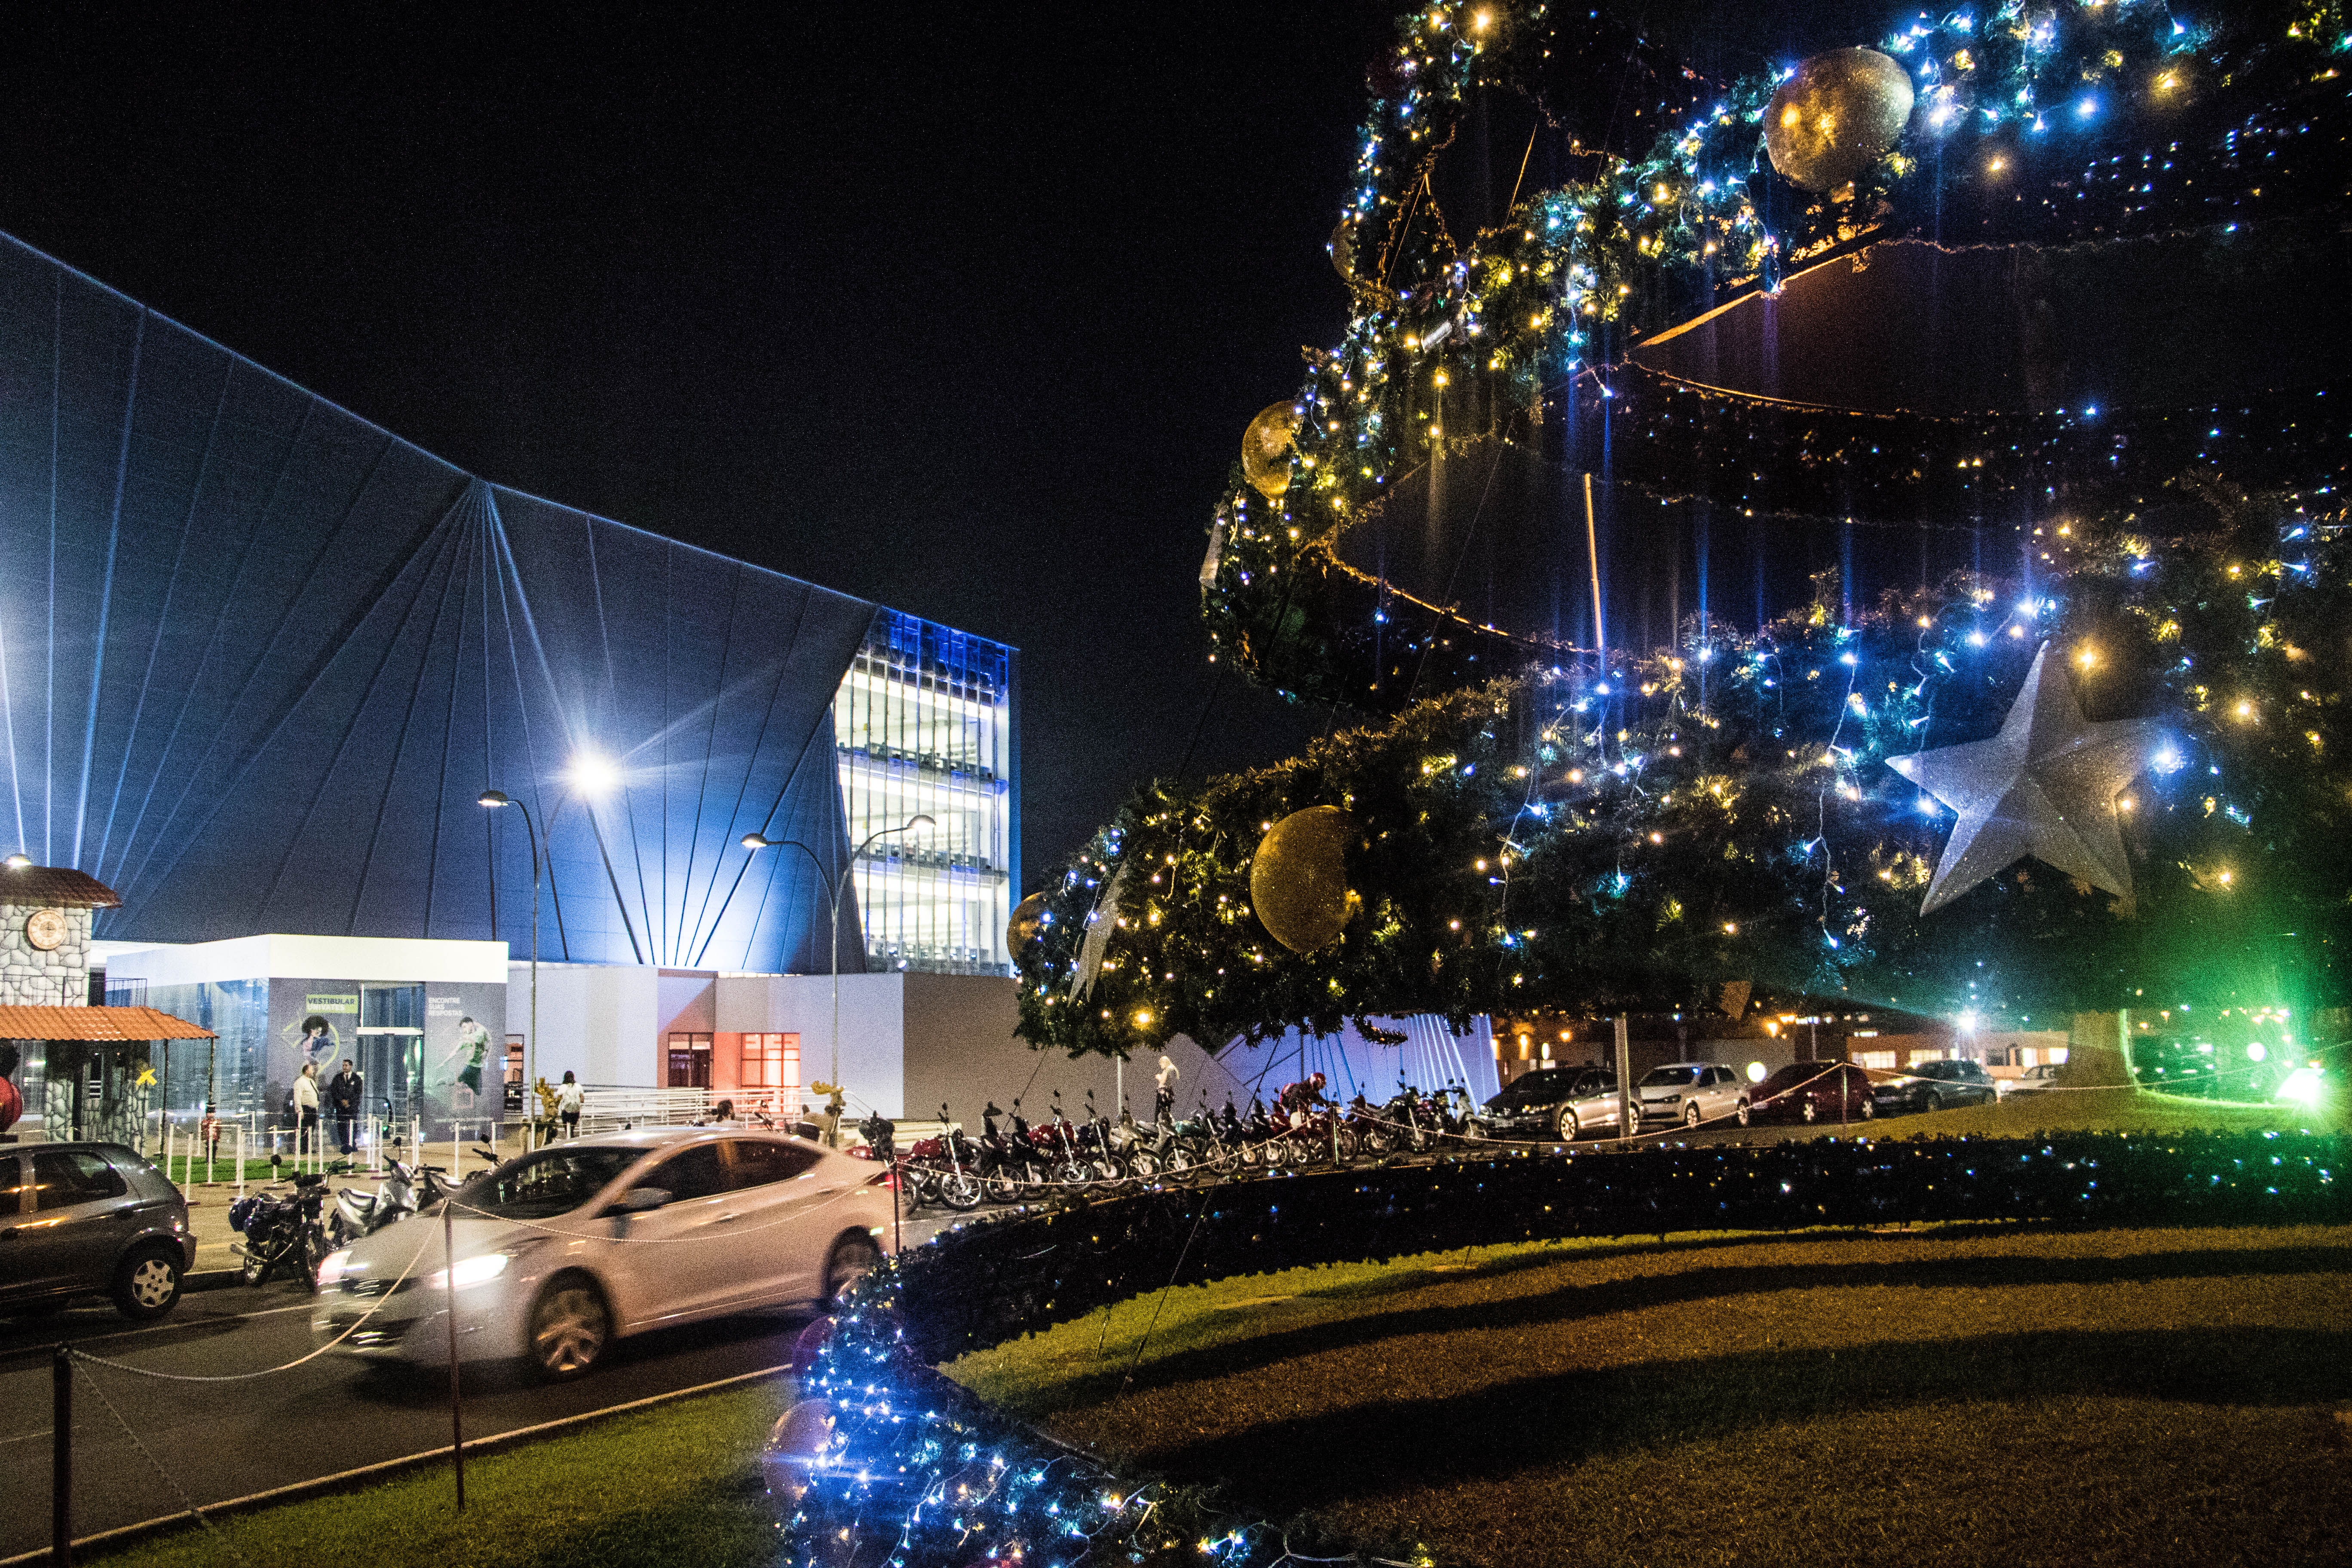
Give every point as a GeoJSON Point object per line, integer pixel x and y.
{"type": "Point", "coordinates": [1757, 1072]}
{"type": "Point", "coordinates": [592, 775]}
{"type": "Point", "coordinates": [2302, 1086]}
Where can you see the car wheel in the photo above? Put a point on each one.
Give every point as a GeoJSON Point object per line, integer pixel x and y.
{"type": "Point", "coordinates": [569, 1327]}
{"type": "Point", "coordinates": [1869, 1109]}
{"type": "Point", "coordinates": [1935, 1101]}
{"type": "Point", "coordinates": [1808, 1110]}
{"type": "Point", "coordinates": [1741, 1113]}
{"type": "Point", "coordinates": [853, 1257]}
{"type": "Point", "coordinates": [148, 1284]}
{"type": "Point", "coordinates": [1691, 1117]}
{"type": "Point", "coordinates": [1566, 1124]}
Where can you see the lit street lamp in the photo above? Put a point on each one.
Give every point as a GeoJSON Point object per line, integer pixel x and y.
{"type": "Point", "coordinates": [589, 775]}
{"type": "Point", "coordinates": [834, 886]}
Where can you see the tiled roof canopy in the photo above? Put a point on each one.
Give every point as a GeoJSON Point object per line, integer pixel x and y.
{"type": "Point", "coordinates": [52, 885]}
{"type": "Point", "coordinates": [97, 1024]}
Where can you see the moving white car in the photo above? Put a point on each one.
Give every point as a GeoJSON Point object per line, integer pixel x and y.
{"type": "Point", "coordinates": [566, 1249]}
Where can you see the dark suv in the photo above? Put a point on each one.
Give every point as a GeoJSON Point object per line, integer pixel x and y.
{"type": "Point", "coordinates": [79, 1218]}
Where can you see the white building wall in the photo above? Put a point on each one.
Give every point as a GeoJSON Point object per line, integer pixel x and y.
{"type": "Point", "coordinates": [600, 1021]}
{"type": "Point", "coordinates": [873, 1029]}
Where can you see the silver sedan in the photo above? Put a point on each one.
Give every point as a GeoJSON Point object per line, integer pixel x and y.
{"type": "Point", "coordinates": [562, 1251]}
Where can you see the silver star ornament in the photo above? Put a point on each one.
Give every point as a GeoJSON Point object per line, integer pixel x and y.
{"type": "Point", "coordinates": [2045, 786]}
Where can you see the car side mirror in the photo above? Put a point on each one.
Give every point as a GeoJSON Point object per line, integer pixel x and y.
{"type": "Point", "coordinates": [642, 1200]}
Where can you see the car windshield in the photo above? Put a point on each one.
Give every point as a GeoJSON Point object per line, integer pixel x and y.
{"type": "Point", "coordinates": [1534, 1088]}
{"type": "Point", "coordinates": [1660, 1078]}
{"type": "Point", "coordinates": [542, 1186]}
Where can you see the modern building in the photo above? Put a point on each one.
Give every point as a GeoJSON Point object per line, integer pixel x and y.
{"type": "Point", "coordinates": [260, 662]}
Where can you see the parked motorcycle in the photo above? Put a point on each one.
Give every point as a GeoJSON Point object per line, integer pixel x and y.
{"type": "Point", "coordinates": [1007, 1163]}
{"type": "Point", "coordinates": [1071, 1165]}
{"type": "Point", "coordinates": [945, 1169]}
{"type": "Point", "coordinates": [405, 1189]}
{"type": "Point", "coordinates": [284, 1234]}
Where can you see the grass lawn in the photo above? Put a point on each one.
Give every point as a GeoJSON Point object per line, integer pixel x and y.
{"type": "Point", "coordinates": [677, 1484]}
{"type": "Point", "coordinates": [2073, 1111]}
{"type": "Point", "coordinates": [1977, 1394]}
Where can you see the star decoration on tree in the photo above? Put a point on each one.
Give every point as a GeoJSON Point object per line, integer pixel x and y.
{"type": "Point", "coordinates": [2044, 786]}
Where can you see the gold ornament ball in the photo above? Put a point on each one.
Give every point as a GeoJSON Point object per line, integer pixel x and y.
{"type": "Point", "coordinates": [1028, 918]}
{"type": "Point", "coordinates": [1343, 251]}
{"type": "Point", "coordinates": [1841, 112]}
{"type": "Point", "coordinates": [1298, 878]}
{"type": "Point", "coordinates": [1265, 449]}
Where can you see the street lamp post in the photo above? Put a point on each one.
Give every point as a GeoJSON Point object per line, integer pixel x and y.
{"type": "Point", "coordinates": [492, 799]}
{"type": "Point", "coordinates": [834, 887]}
{"type": "Point", "coordinates": [587, 773]}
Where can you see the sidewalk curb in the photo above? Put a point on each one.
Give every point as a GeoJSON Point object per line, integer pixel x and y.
{"type": "Point", "coordinates": [295, 1491]}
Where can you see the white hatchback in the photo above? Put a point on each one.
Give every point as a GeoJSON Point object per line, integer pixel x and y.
{"type": "Point", "coordinates": [562, 1251]}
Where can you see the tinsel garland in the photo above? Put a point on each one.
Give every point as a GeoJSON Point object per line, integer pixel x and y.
{"type": "Point", "coordinates": [916, 1472]}
{"type": "Point", "coordinates": [1638, 836]}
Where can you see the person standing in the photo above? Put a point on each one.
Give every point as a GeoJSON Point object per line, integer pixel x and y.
{"type": "Point", "coordinates": [305, 1107]}
{"type": "Point", "coordinates": [344, 1096]}
{"type": "Point", "coordinates": [1163, 1090]}
{"type": "Point", "coordinates": [568, 1100]}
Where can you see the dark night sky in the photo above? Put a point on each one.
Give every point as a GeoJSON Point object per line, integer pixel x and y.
{"type": "Point", "coordinates": [959, 308]}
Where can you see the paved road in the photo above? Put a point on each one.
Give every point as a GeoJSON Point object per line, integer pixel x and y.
{"type": "Point", "coordinates": [219, 1441]}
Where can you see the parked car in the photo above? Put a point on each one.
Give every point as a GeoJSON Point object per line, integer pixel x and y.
{"type": "Point", "coordinates": [1691, 1092]}
{"type": "Point", "coordinates": [1566, 1103]}
{"type": "Point", "coordinates": [2032, 1080]}
{"type": "Point", "coordinates": [562, 1251]}
{"type": "Point", "coordinates": [1934, 1085]}
{"type": "Point", "coordinates": [80, 1219]}
{"type": "Point", "coordinates": [1812, 1092]}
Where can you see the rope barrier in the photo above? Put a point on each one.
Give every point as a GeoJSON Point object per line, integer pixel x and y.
{"type": "Point", "coordinates": [187, 1503]}
{"type": "Point", "coordinates": [269, 1371]}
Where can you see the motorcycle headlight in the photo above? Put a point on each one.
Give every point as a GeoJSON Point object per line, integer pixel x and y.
{"type": "Point", "coordinates": [469, 1271]}
{"type": "Point", "coordinates": [336, 1266]}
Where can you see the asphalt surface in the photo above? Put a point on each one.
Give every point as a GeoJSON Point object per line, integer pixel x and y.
{"type": "Point", "coordinates": [214, 1442]}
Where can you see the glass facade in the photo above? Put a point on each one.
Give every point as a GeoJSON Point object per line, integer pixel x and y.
{"type": "Point", "coordinates": [924, 725]}
{"type": "Point", "coordinates": [234, 1069]}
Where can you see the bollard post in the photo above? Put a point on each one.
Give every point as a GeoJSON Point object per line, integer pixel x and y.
{"type": "Point", "coordinates": [1628, 1097]}
{"type": "Point", "coordinates": [61, 1458]}
{"type": "Point", "coordinates": [449, 1278]}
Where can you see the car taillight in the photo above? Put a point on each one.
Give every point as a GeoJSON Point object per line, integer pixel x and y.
{"type": "Point", "coordinates": [885, 1179]}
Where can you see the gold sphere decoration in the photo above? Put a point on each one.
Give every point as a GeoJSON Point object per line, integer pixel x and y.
{"type": "Point", "coordinates": [1298, 878]}
{"type": "Point", "coordinates": [1343, 251]}
{"type": "Point", "coordinates": [1265, 446]}
{"type": "Point", "coordinates": [1841, 112]}
{"type": "Point", "coordinates": [1028, 918]}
